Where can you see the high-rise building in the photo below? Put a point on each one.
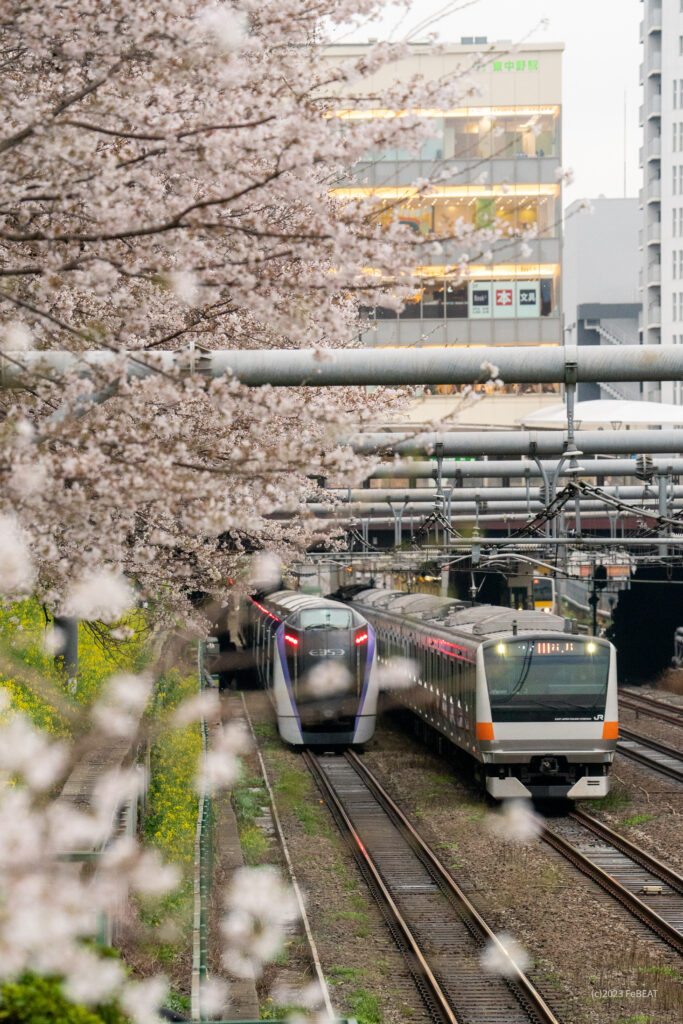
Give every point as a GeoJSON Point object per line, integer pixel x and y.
{"type": "Point", "coordinates": [600, 299]}
{"type": "Point", "coordinates": [662, 194]}
{"type": "Point", "coordinates": [497, 162]}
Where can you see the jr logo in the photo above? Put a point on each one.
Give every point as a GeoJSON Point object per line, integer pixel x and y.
{"type": "Point", "coordinates": [328, 652]}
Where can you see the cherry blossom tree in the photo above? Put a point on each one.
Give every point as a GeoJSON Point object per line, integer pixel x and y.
{"type": "Point", "coordinates": [166, 173]}
{"type": "Point", "coordinates": [166, 183]}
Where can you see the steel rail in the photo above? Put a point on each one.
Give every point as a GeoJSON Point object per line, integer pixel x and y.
{"type": "Point", "coordinates": [539, 1005]}
{"type": "Point", "coordinates": [651, 762]}
{"type": "Point", "coordinates": [652, 707]}
{"type": "Point", "coordinates": [454, 364]}
{"type": "Point", "coordinates": [419, 967]}
{"type": "Point", "coordinates": [657, 867]}
{"type": "Point", "coordinates": [629, 900]}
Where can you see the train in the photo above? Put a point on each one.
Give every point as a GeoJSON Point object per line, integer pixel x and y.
{"type": "Point", "coordinates": [316, 658]}
{"type": "Point", "coordinates": [530, 702]}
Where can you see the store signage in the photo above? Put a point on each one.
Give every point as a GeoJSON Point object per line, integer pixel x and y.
{"type": "Point", "coordinates": [515, 65]}
{"type": "Point", "coordinates": [480, 298]}
{"type": "Point", "coordinates": [504, 299]}
{"type": "Point", "coordinates": [504, 305]}
{"type": "Point", "coordinates": [528, 298]}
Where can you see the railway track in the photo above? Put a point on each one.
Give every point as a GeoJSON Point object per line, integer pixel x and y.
{"type": "Point", "coordinates": [649, 889]}
{"type": "Point", "coordinates": [651, 753]}
{"type": "Point", "coordinates": [438, 930]}
{"type": "Point", "coordinates": [660, 709]}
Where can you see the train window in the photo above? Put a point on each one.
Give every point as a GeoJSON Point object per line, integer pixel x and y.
{"type": "Point", "coordinates": [326, 618]}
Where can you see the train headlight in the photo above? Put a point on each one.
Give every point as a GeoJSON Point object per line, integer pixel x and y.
{"type": "Point", "coordinates": [500, 648]}
{"type": "Point", "coordinates": [591, 647]}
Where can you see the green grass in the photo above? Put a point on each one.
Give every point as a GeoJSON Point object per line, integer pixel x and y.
{"type": "Point", "coordinates": [297, 794]}
{"type": "Point", "coordinates": [358, 919]}
{"type": "Point", "coordinates": [339, 975]}
{"type": "Point", "coordinates": [249, 797]}
{"type": "Point", "coordinates": [265, 730]}
{"type": "Point", "coordinates": [662, 972]}
{"type": "Point", "coordinates": [617, 797]}
{"type": "Point", "coordinates": [273, 1011]}
{"type": "Point", "coordinates": [365, 1007]}
{"type": "Point", "coordinates": [637, 819]}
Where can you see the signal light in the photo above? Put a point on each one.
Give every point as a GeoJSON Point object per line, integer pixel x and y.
{"type": "Point", "coordinates": [361, 638]}
{"type": "Point", "coordinates": [293, 640]}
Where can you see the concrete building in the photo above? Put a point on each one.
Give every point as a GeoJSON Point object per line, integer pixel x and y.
{"type": "Point", "coordinates": [499, 157]}
{"type": "Point", "coordinates": [662, 194]}
{"type": "Point", "coordinates": [600, 294]}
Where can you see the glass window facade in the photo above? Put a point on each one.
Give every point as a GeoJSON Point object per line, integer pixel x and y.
{"type": "Point", "coordinates": [511, 215]}
{"type": "Point", "coordinates": [486, 134]}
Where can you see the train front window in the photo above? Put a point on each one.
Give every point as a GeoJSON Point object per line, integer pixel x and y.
{"type": "Point", "coordinates": [547, 680]}
{"type": "Point", "coordinates": [326, 618]}
{"type": "Point", "coordinates": [543, 589]}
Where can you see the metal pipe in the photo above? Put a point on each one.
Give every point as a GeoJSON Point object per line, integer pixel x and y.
{"type": "Point", "coordinates": [363, 495]}
{"type": "Point", "coordinates": [454, 364]}
{"type": "Point", "coordinates": [480, 468]}
{"type": "Point", "coordinates": [424, 509]}
{"type": "Point", "coordinates": [542, 542]}
{"type": "Point", "coordinates": [522, 442]}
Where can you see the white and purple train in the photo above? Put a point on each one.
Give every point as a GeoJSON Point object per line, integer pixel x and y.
{"type": "Point", "coordinates": [316, 659]}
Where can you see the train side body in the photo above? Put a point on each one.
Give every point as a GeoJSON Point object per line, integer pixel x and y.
{"type": "Point", "coordinates": [316, 658]}
{"type": "Point", "coordinates": [534, 705]}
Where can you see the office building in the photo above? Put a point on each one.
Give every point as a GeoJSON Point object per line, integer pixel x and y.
{"type": "Point", "coordinates": [497, 163]}
{"type": "Point", "coordinates": [661, 159]}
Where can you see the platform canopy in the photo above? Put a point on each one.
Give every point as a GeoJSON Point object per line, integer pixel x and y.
{"type": "Point", "coordinates": [607, 413]}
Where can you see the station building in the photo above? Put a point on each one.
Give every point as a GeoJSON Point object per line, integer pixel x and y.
{"type": "Point", "coordinates": [497, 162]}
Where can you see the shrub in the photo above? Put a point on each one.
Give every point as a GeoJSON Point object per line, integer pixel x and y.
{"type": "Point", "coordinates": [37, 1000]}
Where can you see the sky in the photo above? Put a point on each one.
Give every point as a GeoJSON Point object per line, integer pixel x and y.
{"type": "Point", "coordinates": [600, 73]}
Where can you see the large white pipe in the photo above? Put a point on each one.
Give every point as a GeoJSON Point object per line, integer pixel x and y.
{"type": "Point", "coordinates": [455, 364]}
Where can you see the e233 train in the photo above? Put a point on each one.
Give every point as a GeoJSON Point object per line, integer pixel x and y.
{"type": "Point", "coordinates": [532, 703]}
{"type": "Point", "coordinates": [301, 639]}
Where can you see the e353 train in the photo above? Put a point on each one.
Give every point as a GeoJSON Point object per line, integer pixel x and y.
{"type": "Point", "coordinates": [316, 659]}
{"type": "Point", "coordinates": [534, 704]}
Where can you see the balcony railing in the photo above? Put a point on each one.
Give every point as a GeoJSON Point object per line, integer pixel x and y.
{"type": "Point", "coordinates": [654, 190]}
{"type": "Point", "coordinates": [654, 232]}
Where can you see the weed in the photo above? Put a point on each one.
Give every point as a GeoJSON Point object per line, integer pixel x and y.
{"type": "Point", "coordinates": [662, 972]}
{"type": "Point", "coordinates": [338, 975]}
{"type": "Point", "coordinates": [359, 918]}
{"type": "Point", "coordinates": [265, 730]}
{"type": "Point", "coordinates": [272, 1011]}
{"type": "Point", "coordinates": [365, 1007]}
{"type": "Point", "coordinates": [177, 1001]}
{"type": "Point", "coordinates": [617, 797]}
{"type": "Point", "coordinates": [637, 819]}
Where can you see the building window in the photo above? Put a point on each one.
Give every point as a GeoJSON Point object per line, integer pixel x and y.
{"type": "Point", "coordinates": [675, 178]}
{"type": "Point", "coordinates": [680, 45]}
